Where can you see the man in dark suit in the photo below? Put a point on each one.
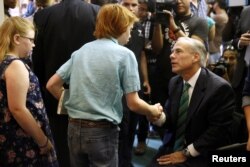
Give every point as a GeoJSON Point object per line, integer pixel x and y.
{"type": "Point", "coordinates": [241, 41]}
{"type": "Point", "coordinates": [246, 105]}
{"type": "Point", "coordinates": [62, 29]}
{"type": "Point", "coordinates": [208, 112]}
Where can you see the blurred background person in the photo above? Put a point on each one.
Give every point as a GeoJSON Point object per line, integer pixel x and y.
{"type": "Point", "coordinates": [230, 55]}
{"type": "Point", "coordinates": [241, 41]}
{"type": "Point", "coordinates": [26, 138]}
{"type": "Point", "coordinates": [128, 125]}
{"type": "Point", "coordinates": [41, 4]}
{"type": "Point", "coordinates": [230, 29]}
{"type": "Point", "coordinates": [246, 105]}
{"type": "Point", "coordinates": [219, 15]}
{"type": "Point", "coordinates": [199, 8]}
{"type": "Point", "coordinates": [9, 4]}
{"type": "Point", "coordinates": [72, 24]}
{"type": "Point", "coordinates": [31, 8]}
{"type": "Point", "coordinates": [146, 11]}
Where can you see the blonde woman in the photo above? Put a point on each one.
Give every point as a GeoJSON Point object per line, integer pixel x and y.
{"type": "Point", "coordinates": [25, 136]}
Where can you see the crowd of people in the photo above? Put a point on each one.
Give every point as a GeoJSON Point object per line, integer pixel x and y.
{"type": "Point", "coordinates": [131, 65]}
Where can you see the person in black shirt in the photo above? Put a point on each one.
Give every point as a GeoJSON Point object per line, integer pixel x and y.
{"type": "Point", "coordinates": [61, 29]}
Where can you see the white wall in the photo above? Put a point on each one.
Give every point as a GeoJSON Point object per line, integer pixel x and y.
{"type": "Point", "coordinates": [1, 12]}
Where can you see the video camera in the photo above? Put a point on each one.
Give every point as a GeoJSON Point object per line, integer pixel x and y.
{"type": "Point", "coordinates": [220, 68]}
{"type": "Point", "coordinates": [164, 5]}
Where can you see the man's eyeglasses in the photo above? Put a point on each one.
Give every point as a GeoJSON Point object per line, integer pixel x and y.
{"type": "Point", "coordinates": [31, 39]}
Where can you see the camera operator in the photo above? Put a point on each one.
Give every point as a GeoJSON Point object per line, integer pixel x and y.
{"type": "Point", "coordinates": [180, 21]}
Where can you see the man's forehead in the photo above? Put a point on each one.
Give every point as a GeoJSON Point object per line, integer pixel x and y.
{"type": "Point", "coordinates": [130, 1]}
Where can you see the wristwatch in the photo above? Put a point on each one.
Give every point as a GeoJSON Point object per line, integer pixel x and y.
{"type": "Point", "coordinates": [187, 153]}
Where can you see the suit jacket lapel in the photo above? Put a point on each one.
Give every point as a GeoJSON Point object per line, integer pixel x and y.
{"type": "Point", "coordinates": [177, 91]}
{"type": "Point", "coordinates": [198, 94]}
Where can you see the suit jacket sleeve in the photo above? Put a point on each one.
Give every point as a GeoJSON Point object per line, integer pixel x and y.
{"type": "Point", "coordinates": [246, 90]}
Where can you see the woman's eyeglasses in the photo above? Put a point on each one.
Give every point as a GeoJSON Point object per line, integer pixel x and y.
{"type": "Point", "coordinates": [31, 39]}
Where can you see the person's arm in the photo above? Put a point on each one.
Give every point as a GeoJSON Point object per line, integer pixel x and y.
{"type": "Point", "coordinates": [201, 30]}
{"type": "Point", "coordinates": [17, 83]}
{"type": "Point", "coordinates": [246, 104]}
{"type": "Point", "coordinates": [134, 103]}
{"type": "Point", "coordinates": [173, 27]}
{"type": "Point", "coordinates": [157, 38]}
{"type": "Point", "coordinates": [144, 70]}
{"type": "Point", "coordinates": [211, 33]}
{"type": "Point", "coordinates": [55, 86]}
{"type": "Point", "coordinates": [247, 116]}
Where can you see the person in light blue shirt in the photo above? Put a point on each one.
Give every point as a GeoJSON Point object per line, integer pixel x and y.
{"type": "Point", "coordinates": [98, 74]}
{"type": "Point", "coordinates": [31, 8]}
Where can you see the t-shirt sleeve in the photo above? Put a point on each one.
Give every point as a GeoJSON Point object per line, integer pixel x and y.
{"type": "Point", "coordinates": [201, 29]}
{"type": "Point", "coordinates": [129, 74]}
{"type": "Point", "coordinates": [65, 70]}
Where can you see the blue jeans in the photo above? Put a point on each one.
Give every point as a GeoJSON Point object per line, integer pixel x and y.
{"type": "Point", "coordinates": [93, 147]}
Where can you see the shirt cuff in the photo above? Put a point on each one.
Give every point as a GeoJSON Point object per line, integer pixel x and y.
{"type": "Point", "coordinates": [245, 101]}
{"type": "Point", "coordinates": [192, 150]}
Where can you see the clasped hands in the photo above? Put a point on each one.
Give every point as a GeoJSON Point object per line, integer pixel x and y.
{"type": "Point", "coordinates": [155, 113]}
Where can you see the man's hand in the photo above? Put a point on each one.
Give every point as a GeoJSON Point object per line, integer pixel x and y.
{"type": "Point", "coordinates": [248, 144]}
{"type": "Point", "coordinates": [173, 158]}
{"type": "Point", "coordinates": [244, 39]}
{"type": "Point", "coordinates": [172, 24]}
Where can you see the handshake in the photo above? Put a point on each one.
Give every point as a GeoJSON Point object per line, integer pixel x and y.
{"type": "Point", "coordinates": [156, 114]}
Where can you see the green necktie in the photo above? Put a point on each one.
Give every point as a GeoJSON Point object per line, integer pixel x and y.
{"type": "Point", "coordinates": [181, 121]}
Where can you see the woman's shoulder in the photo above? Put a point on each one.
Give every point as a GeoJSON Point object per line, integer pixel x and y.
{"type": "Point", "coordinates": [14, 63]}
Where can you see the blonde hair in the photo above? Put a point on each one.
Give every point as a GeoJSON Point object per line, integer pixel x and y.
{"type": "Point", "coordinates": [10, 27]}
{"type": "Point", "coordinates": [113, 20]}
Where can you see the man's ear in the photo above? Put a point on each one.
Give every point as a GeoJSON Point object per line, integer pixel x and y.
{"type": "Point", "coordinates": [196, 57]}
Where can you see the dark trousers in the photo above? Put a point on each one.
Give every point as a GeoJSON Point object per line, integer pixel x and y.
{"type": "Point", "coordinates": [127, 136]}
{"type": "Point", "coordinates": [59, 127]}
{"type": "Point", "coordinates": [143, 128]}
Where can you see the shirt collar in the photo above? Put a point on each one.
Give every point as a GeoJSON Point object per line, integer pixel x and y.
{"type": "Point", "coordinates": [192, 81]}
{"type": "Point", "coordinates": [114, 40]}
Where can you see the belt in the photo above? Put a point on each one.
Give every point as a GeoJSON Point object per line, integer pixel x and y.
{"type": "Point", "coordinates": [92, 124]}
